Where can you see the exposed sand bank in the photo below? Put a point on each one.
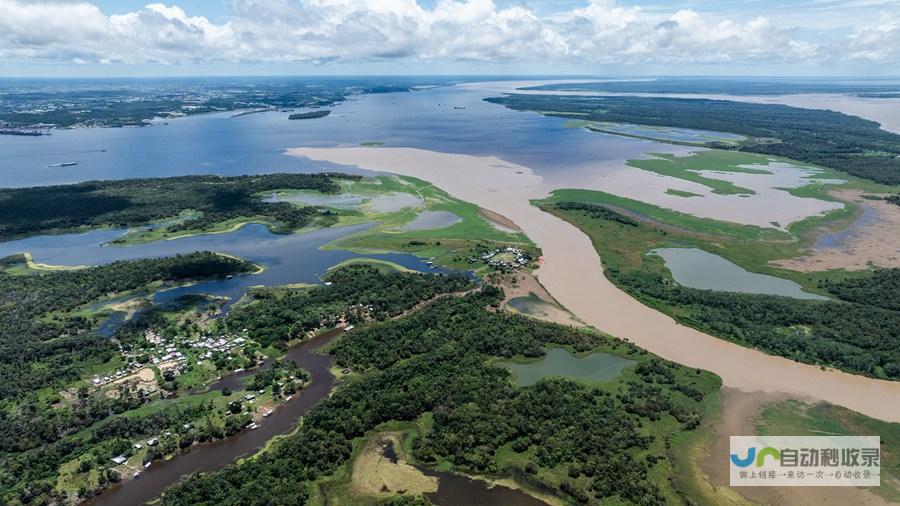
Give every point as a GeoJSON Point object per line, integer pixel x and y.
{"type": "Point", "coordinates": [498, 220]}
{"type": "Point", "coordinates": [376, 475]}
{"type": "Point", "coordinates": [864, 245]}
{"type": "Point", "coordinates": [573, 274]}
{"type": "Point", "coordinates": [523, 284]}
{"type": "Point", "coordinates": [740, 411]}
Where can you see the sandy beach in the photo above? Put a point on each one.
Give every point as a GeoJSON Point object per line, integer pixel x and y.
{"type": "Point", "coordinates": [573, 275]}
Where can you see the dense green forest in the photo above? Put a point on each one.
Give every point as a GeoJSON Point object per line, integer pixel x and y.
{"type": "Point", "coordinates": [827, 138]}
{"type": "Point", "coordinates": [358, 292]}
{"type": "Point", "coordinates": [597, 211]}
{"type": "Point", "coordinates": [728, 86]}
{"type": "Point", "coordinates": [134, 202]}
{"type": "Point", "coordinates": [437, 360]}
{"type": "Point", "coordinates": [41, 345]}
{"type": "Point", "coordinates": [37, 437]}
{"type": "Point", "coordinates": [310, 115]}
{"type": "Point", "coordinates": [860, 333]}
{"type": "Point", "coordinates": [881, 289]}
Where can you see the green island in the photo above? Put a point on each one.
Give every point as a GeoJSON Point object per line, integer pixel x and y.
{"type": "Point", "coordinates": [820, 137]}
{"type": "Point", "coordinates": [856, 332]}
{"type": "Point", "coordinates": [688, 167]}
{"type": "Point", "coordinates": [310, 115]}
{"type": "Point", "coordinates": [185, 205]}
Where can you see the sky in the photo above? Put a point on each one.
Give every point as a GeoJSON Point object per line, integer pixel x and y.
{"type": "Point", "coordinates": [56, 38]}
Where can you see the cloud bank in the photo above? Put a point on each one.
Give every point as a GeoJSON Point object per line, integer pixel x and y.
{"type": "Point", "coordinates": [346, 31]}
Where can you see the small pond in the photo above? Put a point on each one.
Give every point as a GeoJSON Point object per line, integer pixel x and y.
{"type": "Point", "coordinates": [530, 304]}
{"type": "Point", "coordinates": [696, 268]}
{"type": "Point", "coordinates": [428, 220]}
{"type": "Point", "coordinates": [559, 363]}
{"type": "Point", "coordinates": [455, 489]}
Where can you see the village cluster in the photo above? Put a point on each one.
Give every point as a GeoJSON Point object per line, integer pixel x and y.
{"type": "Point", "coordinates": [506, 259]}
{"type": "Point", "coordinates": [166, 357]}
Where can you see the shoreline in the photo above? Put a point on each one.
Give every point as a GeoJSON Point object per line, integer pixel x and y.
{"type": "Point", "coordinates": [880, 110]}
{"type": "Point", "coordinates": [573, 275]}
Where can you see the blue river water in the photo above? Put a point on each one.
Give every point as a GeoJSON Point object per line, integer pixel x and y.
{"type": "Point", "coordinates": [287, 259]}
{"type": "Point", "coordinates": [223, 144]}
{"type": "Point", "coordinates": [449, 119]}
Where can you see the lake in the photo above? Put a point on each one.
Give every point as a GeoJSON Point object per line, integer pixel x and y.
{"type": "Point", "coordinates": [286, 258]}
{"type": "Point", "coordinates": [429, 220]}
{"type": "Point", "coordinates": [696, 268]}
{"type": "Point", "coordinates": [559, 363]}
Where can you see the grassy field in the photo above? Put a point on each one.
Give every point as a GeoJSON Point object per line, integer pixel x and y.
{"type": "Point", "coordinates": [687, 167]}
{"type": "Point", "coordinates": [752, 248]}
{"type": "Point", "coordinates": [668, 217]}
{"type": "Point", "coordinates": [795, 418]}
{"type": "Point", "coordinates": [352, 484]}
{"type": "Point", "coordinates": [682, 193]}
{"type": "Point", "coordinates": [649, 132]}
{"type": "Point", "coordinates": [382, 265]}
{"type": "Point", "coordinates": [449, 246]}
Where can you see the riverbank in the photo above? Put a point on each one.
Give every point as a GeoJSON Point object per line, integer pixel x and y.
{"type": "Point", "coordinates": [208, 457]}
{"type": "Point", "coordinates": [572, 273]}
{"type": "Point", "coordinates": [745, 413]}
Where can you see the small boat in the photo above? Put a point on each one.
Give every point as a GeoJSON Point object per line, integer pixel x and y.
{"type": "Point", "coordinates": [64, 164]}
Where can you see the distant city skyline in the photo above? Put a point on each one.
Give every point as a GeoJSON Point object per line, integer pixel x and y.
{"type": "Point", "coordinates": [319, 37]}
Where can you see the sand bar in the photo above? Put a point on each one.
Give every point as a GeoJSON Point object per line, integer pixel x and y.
{"type": "Point", "coordinates": [573, 275]}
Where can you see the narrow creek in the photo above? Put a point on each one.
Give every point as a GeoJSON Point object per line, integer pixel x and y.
{"type": "Point", "coordinates": [211, 456]}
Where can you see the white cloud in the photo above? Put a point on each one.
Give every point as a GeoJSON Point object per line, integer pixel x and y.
{"type": "Point", "coordinates": [879, 42]}
{"type": "Point", "coordinates": [598, 31]}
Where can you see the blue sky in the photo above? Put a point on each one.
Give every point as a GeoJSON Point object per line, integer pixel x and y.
{"type": "Point", "coordinates": [623, 37]}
